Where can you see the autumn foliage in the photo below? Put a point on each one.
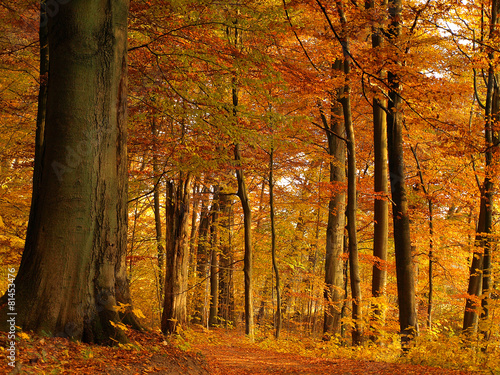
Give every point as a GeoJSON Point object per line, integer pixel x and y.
{"type": "Point", "coordinates": [259, 77]}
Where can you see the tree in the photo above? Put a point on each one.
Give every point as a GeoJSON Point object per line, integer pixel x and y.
{"type": "Point", "coordinates": [72, 274]}
{"type": "Point", "coordinates": [278, 318]}
{"type": "Point", "coordinates": [334, 274]}
{"type": "Point", "coordinates": [177, 253]}
{"type": "Point", "coordinates": [402, 240]}
{"type": "Point", "coordinates": [381, 205]}
{"type": "Point", "coordinates": [344, 97]}
{"type": "Point", "coordinates": [480, 269]}
{"type": "Point", "coordinates": [214, 259]}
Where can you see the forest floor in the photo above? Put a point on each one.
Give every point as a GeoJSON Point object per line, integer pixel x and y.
{"type": "Point", "coordinates": [231, 353]}
{"type": "Point", "coordinates": [196, 352]}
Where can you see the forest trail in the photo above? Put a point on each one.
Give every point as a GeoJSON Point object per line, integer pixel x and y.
{"type": "Point", "coordinates": [228, 354]}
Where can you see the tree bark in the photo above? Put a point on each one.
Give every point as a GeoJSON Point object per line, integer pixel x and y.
{"type": "Point", "coordinates": [334, 267]}
{"type": "Point", "coordinates": [202, 263]}
{"type": "Point", "coordinates": [248, 256]}
{"type": "Point", "coordinates": [226, 289]}
{"type": "Point", "coordinates": [72, 273]}
{"type": "Point", "coordinates": [214, 261]}
{"type": "Point", "coordinates": [177, 254]}
{"type": "Point", "coordinates": [345, 100]}
{"type": "Point", "coordinates": [273, 245]}
{"type": "Point", "coordinates": [402, 241]}
{"type": "Point", "coordinates": [156, 209]}
{"type": "Point", "coordinates": [381, 205]}
{"type": "Point", "coordinates": [431, 237]}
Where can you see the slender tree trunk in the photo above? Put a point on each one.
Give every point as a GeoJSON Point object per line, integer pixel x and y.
{"type": "Point", "coordinates": [273, 245]}
{"type": "Point", "coordinates": [476, 271]}
{"type": "Point", "coordinates": [202, 263]}
{"type": "Point", "coordinates": [214, 261]}
{"type": "Point", "coordinates": [248, 257]}
{"type": "Point", "coordinates": [345, 100]}
{"type": "Point", "coordinates": [480, 270]}
{"type": "Point", "coordinates": [381, 205]}
{"type": "Point", "coordinates": [430, 299]}
{"type": "Point", "coordinates": [431, 235]}
{"type": "Point", "coordinates": [72, 273]}
{"type": "Point", "coordinates": [194, 225]}
{"type": "Point", "coordinates": [156, 208]}
{"type": "Point", "coordinates": [226, 297]}
{"type": "Point", "coordinates": [177, 253]}
{"type": "Point", "coordinates": [334, 266]}
{"type": "Point", "coordinates": [402, 241]}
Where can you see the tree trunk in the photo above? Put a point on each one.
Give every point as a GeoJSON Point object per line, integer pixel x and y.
{"type": "Point", "coordinates": [476, 271]}
{"type": "Point", "coordinates": [381, 205]}
{"type": "Point", "coordinates": [72, 273]}
{"type": "Point", "coordinates": [334, 275]}
{"type": "Point", "coordinates": [42, 105]}
{"type": "Point", "coordinates": [177, 254]}
{"type": "Point", "coordinates": [247, 212]}
{"type": "Point", "coordinates": [345, 99]}
{"type": "Point", "coordinates": [351, 218]}
{"type": "Point", "coordinates": [480, 270]}
{"type": "Point", "coordinates": [156, 208]}
{"type": "Point", "coordinates": [248, 257]}
{"type": "Point", "coordinates": [273, 245]}
{"type": "Point", "coordinates": [201, 264]}
{"type": "Point", "coordinates": [431, 236]}
{"type": "Point", "coordinates": [214, 262]}
{"type": "Point", "coordinates": [226, 289]}
{"type": "Point", "coordinates": [402, 241]}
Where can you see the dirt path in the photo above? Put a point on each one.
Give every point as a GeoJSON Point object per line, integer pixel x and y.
{"type": "Point", "coordinates": [247, 359]}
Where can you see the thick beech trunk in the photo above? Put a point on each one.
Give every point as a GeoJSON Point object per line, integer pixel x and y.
{"type": "Point", "coordinates": [72, 273]}
{"type": "Point", "coordinates": [177, 253]}
{"type": "Point", "coordinates": [402, 241]}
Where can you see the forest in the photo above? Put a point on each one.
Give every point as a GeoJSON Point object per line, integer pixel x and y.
{"type": "Point", "coordinates": [313, 177]}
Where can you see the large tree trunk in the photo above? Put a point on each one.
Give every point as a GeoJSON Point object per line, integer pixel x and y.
{"type": "Point", "coordinates": [402, 241]}
{"type": "Point", "coordinates": [72, 273]}
{"type": "Point", "coordinates": [177, 254]}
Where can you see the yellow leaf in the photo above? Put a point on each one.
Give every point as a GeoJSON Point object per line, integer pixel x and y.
{"type": "Point", "coordinates": [138, 313]}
